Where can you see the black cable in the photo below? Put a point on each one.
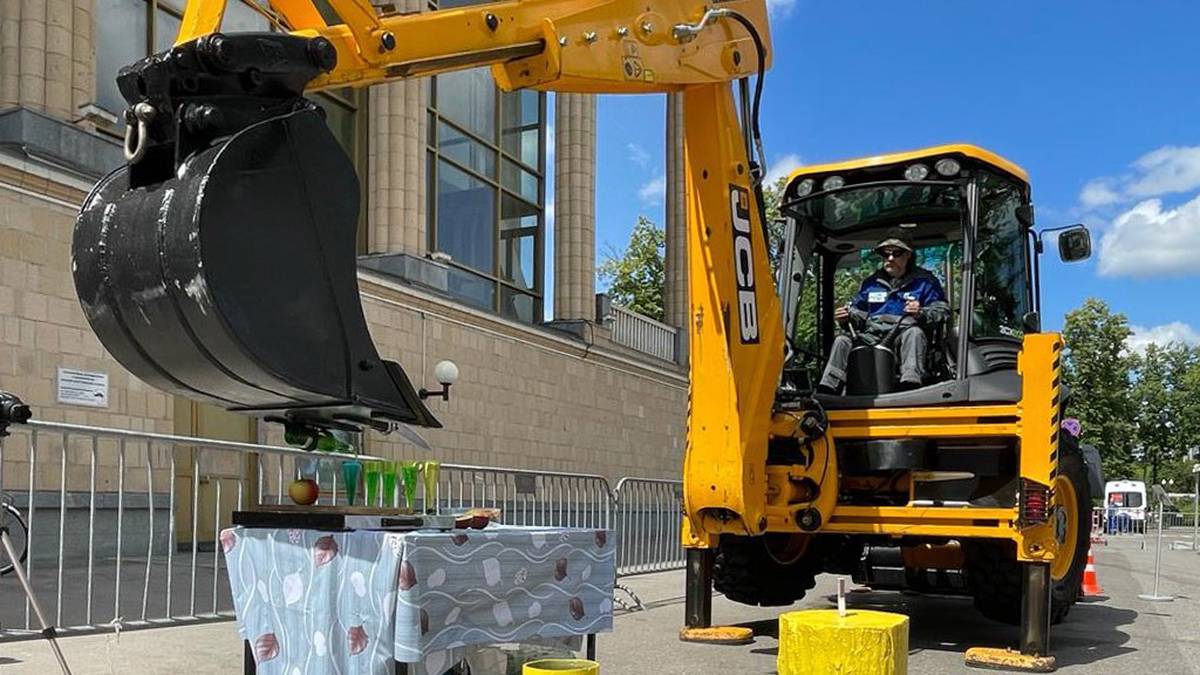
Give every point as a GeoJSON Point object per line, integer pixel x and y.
{"type": "Point", "coordinates": [758, 84]}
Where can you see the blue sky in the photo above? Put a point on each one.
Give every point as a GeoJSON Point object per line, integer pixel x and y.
{"type": "Point", "coordinates": [1097, 101]}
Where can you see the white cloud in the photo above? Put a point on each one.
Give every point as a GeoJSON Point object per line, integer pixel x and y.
{"type": "Point", "coordinates": [1099, 192]}
{"type": "Point", "coordinates": [1168, 333]}
{"type": "Point", "coordinates": [1170, 169]}
{"type": "Point", "coordinates": [1148, 241]}
{"type": "Point", "coordinates": [653, 191]}
{"type": "Point", "coordinates": [781, 167]}
{"type": "Point", "coordinates": [1167, 170]}
{"type": "Point", "coordinates": [779, 9]}
{"type": "Point", "coordinates": [638, 155]}
{"type": "Point", "coordinates": [549, 146]}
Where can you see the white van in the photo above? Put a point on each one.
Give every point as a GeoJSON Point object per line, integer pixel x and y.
{"type": "Point", "coordinates": [1124, 506]}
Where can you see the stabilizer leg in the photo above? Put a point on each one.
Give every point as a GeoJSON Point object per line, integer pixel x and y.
{"type": "Point", "coordinates": [1034, 656]}
{"type": "Point", "coordinates": [698, 605]}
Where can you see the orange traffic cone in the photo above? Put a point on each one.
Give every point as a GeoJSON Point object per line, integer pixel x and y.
{"type": "Point", "coordinates": [1091, 586]}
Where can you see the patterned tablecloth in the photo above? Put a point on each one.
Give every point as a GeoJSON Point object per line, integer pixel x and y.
{"type": "Point", "coordinates": [310, 601]}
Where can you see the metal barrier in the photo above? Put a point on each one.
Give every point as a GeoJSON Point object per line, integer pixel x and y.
{"type": "Point", "coordinates": [1120, 521]}
{"type": "Point", "coordinates": [648, 518]}
{"type": "Point", "coordinates": [123, 525]}
{"type": "Point", "coordinates": [644, 334]}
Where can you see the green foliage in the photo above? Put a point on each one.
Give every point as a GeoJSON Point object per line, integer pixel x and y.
{"type": "Point", "coordinates": [1142, 411]}
{"type": "Point", "coordinates": [1097, 368]}
{"type": "Point", "coordinates": [636, 276]}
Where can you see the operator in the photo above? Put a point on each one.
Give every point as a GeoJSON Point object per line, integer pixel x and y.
{"type": "Point", "coordinates": [898, 291]}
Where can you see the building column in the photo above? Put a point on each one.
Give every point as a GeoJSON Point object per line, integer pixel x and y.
{"type": "Point", "coordinates": [675, 295]}
{"type": "Point", "coordinates": [575, 207]}
{"type": "Point", "coordinates": [46, 59]}
{"type": "Point", "coordinates": [396, 162]}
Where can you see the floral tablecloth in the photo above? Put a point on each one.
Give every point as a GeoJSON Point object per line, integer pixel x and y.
{"type": "Point", "coordinates": [311, 601]}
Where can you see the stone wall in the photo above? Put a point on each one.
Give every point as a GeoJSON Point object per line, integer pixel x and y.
{"type": "Point", "coordinates": [528, 396]}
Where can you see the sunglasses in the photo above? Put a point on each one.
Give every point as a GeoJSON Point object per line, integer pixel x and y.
{"type": "Point", "coordinates": [893, 253]}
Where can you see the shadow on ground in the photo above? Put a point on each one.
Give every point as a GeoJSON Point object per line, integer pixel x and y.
{"type": "Point", "coordinates": [1090, 633]}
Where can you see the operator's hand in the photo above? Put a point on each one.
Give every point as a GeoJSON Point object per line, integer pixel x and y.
{"type": "Point", "coordinates": [912, 307]}
{"type": "Point", "coordinates": [841, 315]}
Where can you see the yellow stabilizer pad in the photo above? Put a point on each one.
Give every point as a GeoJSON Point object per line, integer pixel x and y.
{"type": "Point", "coordinates": [718, 635]}
{"type": "Point", "coordinates": [1006, 659]}
{"type": "Point", "coordinates": [862, 642]}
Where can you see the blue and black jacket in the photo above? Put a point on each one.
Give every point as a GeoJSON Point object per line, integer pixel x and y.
{"type": "Point", "coordinates": [881, 299]}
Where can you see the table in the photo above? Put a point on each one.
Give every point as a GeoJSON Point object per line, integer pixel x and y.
{"type": "Point", "coordinates": [362, 601]}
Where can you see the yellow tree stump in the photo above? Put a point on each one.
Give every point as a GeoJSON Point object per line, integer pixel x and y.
{"type": "Point", "coordinates": [863, 642]}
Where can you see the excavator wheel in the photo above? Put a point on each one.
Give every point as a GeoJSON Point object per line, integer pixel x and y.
{"type": "Point", "coordinates": [993, 573]}
{"type": "Point", "coordinates": [769, 571]}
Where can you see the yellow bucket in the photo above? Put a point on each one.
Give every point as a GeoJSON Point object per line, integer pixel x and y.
{"type": "Point", "coordinates": [561, 667]}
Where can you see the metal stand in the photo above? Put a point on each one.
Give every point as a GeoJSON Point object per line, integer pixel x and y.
{"type": "Point", "coordinates": [1155, 597]}
{"type": "Point", "coordinates": [47, 630]}
{"type": "Point", "coordinates": [698, 586]}
{"type": "Point", "coordinates": [1035, 609]}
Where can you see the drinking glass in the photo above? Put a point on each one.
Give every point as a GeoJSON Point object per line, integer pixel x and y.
{"type": "Point", "coordinates": [389, 483]}
{"type": "Point", "coordinates": [408, 474]}
{"type": "Point", "coordinates": [371, 471]}
{"type": "Point", "coordinates": [429, 474]}
{"type": "Point", "coordinates": [351, 469]}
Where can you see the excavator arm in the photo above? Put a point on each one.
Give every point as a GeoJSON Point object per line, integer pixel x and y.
{"type": "Point", "coordinates": [219, 263]}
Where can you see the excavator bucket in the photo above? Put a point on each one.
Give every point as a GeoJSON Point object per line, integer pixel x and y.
{"type": "Point", "coordinates": [219, 262]}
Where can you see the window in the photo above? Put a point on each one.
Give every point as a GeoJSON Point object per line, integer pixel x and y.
{"type": "Point", "coordinates": [487, 183]}
{"type": "Point", "coordinates": [1002, 291]}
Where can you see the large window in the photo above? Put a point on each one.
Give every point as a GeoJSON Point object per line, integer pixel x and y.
{"type": "Point", "coordinates": [1002, 291]}
{"type": "Point", "coordinates": [487, 179]}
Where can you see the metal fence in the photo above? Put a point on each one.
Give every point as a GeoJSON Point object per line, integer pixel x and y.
{"type": "Point", "coordinates": [643, 334]}
{"type": "Point", "coordinates": [123, 525]}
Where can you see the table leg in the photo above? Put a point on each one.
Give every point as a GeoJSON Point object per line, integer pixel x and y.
{"type": "Point", "coordinates": [591, 647]}
{"type": "Point", "coordinates": [248, 665]}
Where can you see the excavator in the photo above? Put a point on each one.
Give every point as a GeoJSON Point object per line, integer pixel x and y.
{"type": "Point", "coordinates": [218, 264]}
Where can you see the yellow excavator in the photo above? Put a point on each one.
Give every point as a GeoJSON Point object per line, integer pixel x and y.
{"type": "Point", "coordinates": [218, 264]}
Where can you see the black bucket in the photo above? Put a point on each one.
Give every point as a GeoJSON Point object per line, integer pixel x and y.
{"type": "Point", "coordinates": [232, 279]}
{"type": "Point", "coordinates": [871, 370]}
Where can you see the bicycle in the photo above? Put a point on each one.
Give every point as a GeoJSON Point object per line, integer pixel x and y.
{"type": "Point", "coordinates": [13, 522]}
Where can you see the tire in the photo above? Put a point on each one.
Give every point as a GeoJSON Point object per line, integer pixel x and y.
{"type": "Point", "coordinates": [994, 575]}
{"type": "Point", "coordinates": [748, 572]}
{"type": "Point", "coordinates": [10, 519]}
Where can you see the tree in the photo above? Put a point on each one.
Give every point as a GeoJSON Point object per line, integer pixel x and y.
{"type": "Point", "coordinates": [1166, 404]}
{"type": "Point", "coordinates": [1097, 368]}
{"type": "Point", "coordinates": [636, 277]}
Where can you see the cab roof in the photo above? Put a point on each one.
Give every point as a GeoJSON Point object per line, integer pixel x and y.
{"type": "Point", "coordinates": [972, 151]}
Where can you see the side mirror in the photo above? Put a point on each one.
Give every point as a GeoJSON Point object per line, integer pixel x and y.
{"type": "Point", "coordinates": [1074, 244]}
{"type": "Point", "coordinates": [1032, 322]}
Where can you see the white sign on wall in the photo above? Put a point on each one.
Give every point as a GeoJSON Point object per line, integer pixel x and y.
{"type": "Point", "coordinates": [82, 387]}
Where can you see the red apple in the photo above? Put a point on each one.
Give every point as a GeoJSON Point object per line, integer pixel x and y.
{"type": "Point", "coordinates": [304, 491]}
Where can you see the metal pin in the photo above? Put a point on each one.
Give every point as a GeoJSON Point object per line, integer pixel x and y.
{"type": "Point", "coordinates": [590, 36]}
{"type": "Point", "coordinates": [622, 31]}
{"type": "Point", "coordinates": [647, 27]}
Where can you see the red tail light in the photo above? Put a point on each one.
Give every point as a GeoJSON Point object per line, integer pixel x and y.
{"type": "Point", "coordinates": [1035, 502]}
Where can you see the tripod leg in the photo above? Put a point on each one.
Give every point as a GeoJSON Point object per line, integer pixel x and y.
{"type": "Point", "coordinates": [47, 630]}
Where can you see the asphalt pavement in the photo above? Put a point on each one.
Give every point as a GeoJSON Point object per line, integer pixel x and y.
{"type": "Point", "coordinates": [1117, 633]}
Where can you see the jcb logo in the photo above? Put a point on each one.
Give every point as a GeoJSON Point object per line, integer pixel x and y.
{"type": "Point", "coordinates": [743, 265]}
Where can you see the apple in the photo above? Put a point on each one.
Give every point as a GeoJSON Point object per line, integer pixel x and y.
{"type": "Point", "coordinates": [304, 491]}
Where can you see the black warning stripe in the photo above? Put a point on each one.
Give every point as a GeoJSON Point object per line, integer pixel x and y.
{"type": "Point", "coordinates": [1057, 365]}
{"type": "Point", "coordinates": [1058, 345]}
{"type": "Point", "coordinates": [1054, 438]}
{"type": "Point", "coordinates": [1055, 383]}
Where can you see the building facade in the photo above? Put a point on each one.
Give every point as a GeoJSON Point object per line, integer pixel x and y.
{"type": "Point", "coordinates": [453, 255]}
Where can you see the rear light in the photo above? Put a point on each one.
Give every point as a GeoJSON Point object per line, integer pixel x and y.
{"type": "Point", "coordinates": [1035, 502]}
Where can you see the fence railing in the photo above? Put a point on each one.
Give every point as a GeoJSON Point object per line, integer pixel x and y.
{"type": "Point", "coordinates": [122, 526]}
{"type": "Point", "coordinates": [644, 334]}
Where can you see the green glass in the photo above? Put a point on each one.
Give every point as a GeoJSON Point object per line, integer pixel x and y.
{"type": "Point", "coordinates": [389, 483]}
{"type": "Point", "coordinates": [408, 473]}
{"type": "Point", "coordinates": [351, 470]}
{"type": "Point", "coordinates": [429, 475]}
{"type": "Point", "coordinates": [371, 471]}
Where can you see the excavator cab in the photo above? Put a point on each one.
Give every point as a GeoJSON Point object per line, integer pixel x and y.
{"type": "Point", "coordinates": [219, 263]}
{"type": "Point", "coordinates": [946, 201]}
